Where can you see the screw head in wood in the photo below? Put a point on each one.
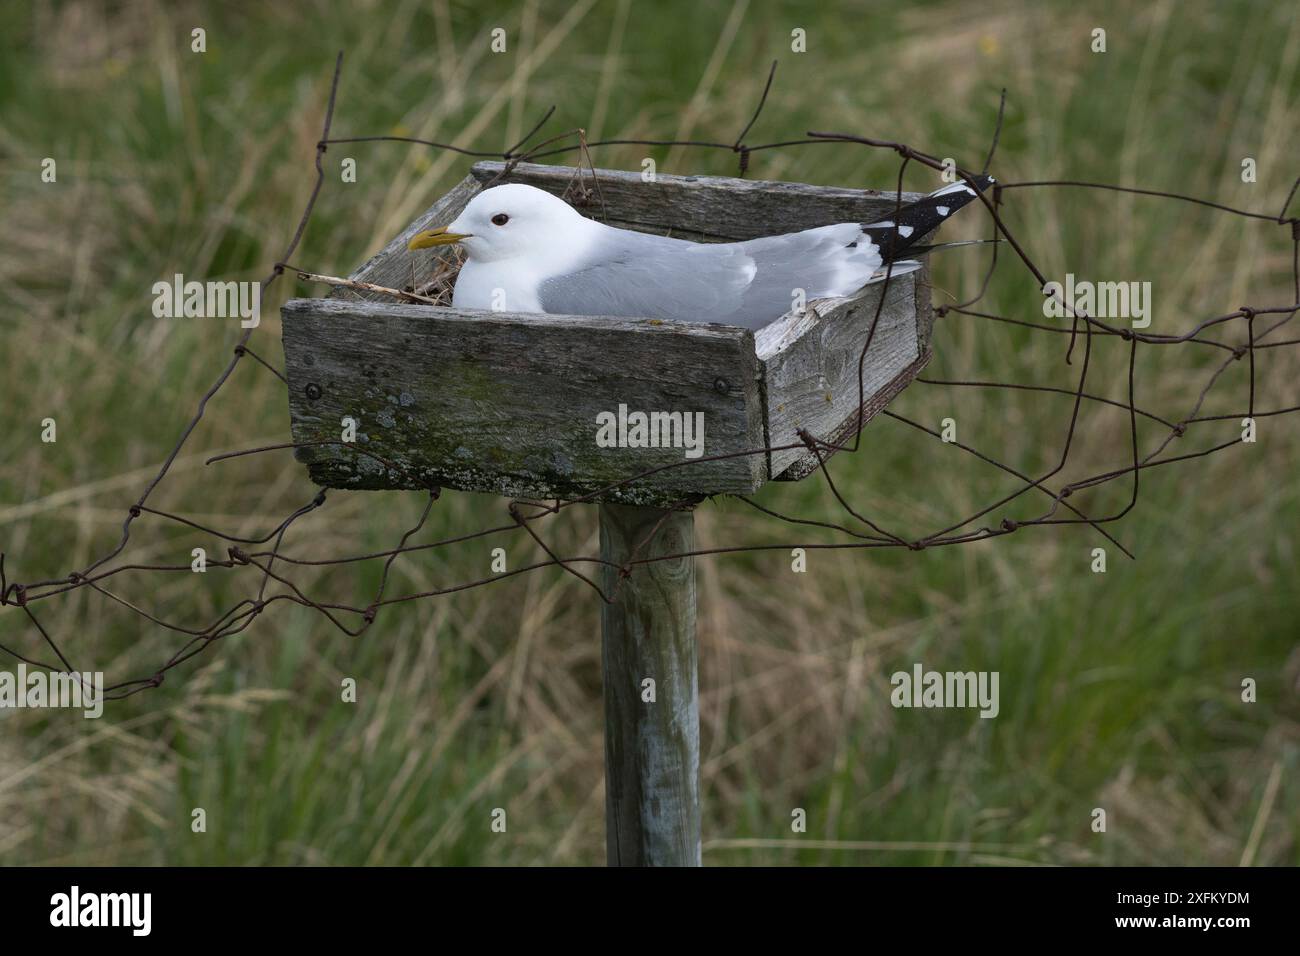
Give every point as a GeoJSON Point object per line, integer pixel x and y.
{"type": "Point", "coordinates": [313, 391]}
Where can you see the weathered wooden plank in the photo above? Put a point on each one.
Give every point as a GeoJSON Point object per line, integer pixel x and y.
{"type": "Point", "coordinates": [844, 434]}
{"type": "Point", "coordinates": [508, 403]}
{"type": "Point", "coordinates": [924, 306]}
{"type": "Point", "coordinates": [811, 366]}
{"type": "Point", "coordinates": [704, 208]}
{"type": "Point", "coordinates": [652, 747]}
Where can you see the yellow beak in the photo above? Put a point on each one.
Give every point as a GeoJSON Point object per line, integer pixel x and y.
{"type": "Point", "coordinates": [435, 237]}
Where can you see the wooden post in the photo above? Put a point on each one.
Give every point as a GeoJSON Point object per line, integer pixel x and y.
{"type": "Point", "coordinates": [652, 748]}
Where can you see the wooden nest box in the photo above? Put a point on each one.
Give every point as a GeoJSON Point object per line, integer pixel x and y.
{"type": "Point", "coordinates": [508, 403]}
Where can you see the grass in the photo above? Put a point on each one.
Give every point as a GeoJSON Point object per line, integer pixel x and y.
{"type": "Point", "coordinates": [1119, 690]}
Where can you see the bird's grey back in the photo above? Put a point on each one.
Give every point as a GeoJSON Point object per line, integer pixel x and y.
{"type": "Point", "coordinates": [739, 283]}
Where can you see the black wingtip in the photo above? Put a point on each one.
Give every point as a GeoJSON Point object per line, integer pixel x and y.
{"type": "Point", "coordinates": [894, 236]}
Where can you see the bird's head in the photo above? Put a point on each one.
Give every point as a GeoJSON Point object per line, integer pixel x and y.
{"type": "Point", "coordinates": [506, 221]}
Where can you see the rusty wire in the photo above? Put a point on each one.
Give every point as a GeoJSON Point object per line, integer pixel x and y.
{"type": "Point", "coordinates": [239, 617]}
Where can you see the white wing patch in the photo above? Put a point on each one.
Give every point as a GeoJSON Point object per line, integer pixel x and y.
{"type": "Point", "coordinates": [958, 187]}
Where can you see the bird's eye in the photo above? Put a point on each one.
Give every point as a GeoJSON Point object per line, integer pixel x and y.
{"type": "Point", "coordinates": [500, 219]}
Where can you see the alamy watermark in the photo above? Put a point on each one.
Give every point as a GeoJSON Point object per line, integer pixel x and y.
{"type": "Point", "coordinates": [208, 300]}
{"type": "Point", "coordinates": [1099, 300]}
{"type": "Point", "coordinates": [133, 911]}
{"type": "Point", "coordinates": [626, 429]}
{"type": "Point", "coordinates": [54, 689]}
{"type": "Point", "coordinates": [922, 688]}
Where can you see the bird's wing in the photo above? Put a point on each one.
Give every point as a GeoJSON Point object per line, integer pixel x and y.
{"type": "Point", "coordinates": [813, 264]}
{"type": "Point", "coordinates": [738, 283]}
{"type": "Point", "coordinates": [632, 274]}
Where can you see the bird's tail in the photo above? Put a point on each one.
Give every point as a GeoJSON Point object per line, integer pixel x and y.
{"type": "Point", "coordinates": [899, 235]}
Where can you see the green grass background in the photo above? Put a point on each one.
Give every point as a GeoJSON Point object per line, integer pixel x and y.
{"type": "Point", "coordinates": [1119, 690]}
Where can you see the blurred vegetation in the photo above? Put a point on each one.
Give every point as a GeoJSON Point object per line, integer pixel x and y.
{"type": "Point", "coordinates": [1119, 690]}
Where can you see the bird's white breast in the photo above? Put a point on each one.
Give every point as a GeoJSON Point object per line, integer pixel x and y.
{"type": "Point", "coordinates": [498, 286]}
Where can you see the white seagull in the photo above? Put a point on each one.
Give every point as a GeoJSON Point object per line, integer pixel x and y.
{"type": "Point", "coordinates": [529, 251]}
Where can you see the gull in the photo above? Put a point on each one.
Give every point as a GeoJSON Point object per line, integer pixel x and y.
{"type": "Point", "coordinates": [529, 251]}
